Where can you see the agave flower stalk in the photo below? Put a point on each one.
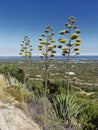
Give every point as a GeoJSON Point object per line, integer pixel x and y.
{"type": "Point", "coordinates": [25, 52]}
{"type": "Point", "coordinates": [70, 44]}
{"type": "Point", "coordinates": [47, 49]}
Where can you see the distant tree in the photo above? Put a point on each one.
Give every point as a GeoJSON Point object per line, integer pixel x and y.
{"type": "Point", "coordinates": [46, 47]}
{"type": "Point", "coordinates": [25, 52]}
{"type": "Point", "coordinates": [70, 44]}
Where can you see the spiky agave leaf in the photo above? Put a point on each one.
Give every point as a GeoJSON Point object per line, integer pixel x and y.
{"type": "Point", "coordinates": [65, 107]}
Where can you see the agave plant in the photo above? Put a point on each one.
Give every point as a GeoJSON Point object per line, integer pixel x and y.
{"type": "Point", "coordinates": [46, 47]}
{"type": "Point", "coordinates": [26, 52]}
{"type": "Point", "coordinates": [70, 43]}
{"type": "Point", "coordinates": [66, 109]}
{"type": "Point", "coordinates": [18, 90]}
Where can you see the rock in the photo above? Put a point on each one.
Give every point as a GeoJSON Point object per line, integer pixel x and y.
{"type": "Point", "coordinates": [12, 118]}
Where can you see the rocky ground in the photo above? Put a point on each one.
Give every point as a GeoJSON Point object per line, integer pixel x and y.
{"type": "Point", "coordinates": [11, 117]}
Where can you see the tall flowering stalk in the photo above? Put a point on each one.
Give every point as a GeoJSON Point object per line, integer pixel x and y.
{"type": "Point", "coordinates": [25, 52]}
{"type": "Point", "coordinates": [46, 47]}
{"type": "Point", "coordinates": [70, 44]}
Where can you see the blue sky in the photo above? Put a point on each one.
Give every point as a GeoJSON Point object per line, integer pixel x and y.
{"type": "Point", "coordinates": [29, 17]}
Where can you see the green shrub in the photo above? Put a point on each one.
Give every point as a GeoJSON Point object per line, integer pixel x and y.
{"type": "Point", "coordinates": [94, 95]}
{"type": "Point", "coordinates": [19, 91]}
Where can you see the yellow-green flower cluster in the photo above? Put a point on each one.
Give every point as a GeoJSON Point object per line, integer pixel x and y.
{"type": "Point", "coordinates": [69, 44]}
{"type": "Point", "coordinates": [62, 40]}
{"type": "Point", "coordinates": [71, 33]}
{"type": "Point", "coordinates": [46, 43]}
{"type": "Point", "coordinates": [52, 40]}
{"type": "Point", "coordinates": [72, 19]}
{"type": "Point", "coordinates": [77, 43]}
{"type": "Point", "coordinates": [77, 31]}
{"type": "Point", "coordinates": [74, 36]}
{"type": "Point", "coordinates": [77, 53]}
{"type": "Point", "coordinates": [64, 31]}
{"type": "Point", "coordinates": [52, 55]}
{"type": "Point", "coordinates": [40, 39]}
{"type": "Point", "coordinates": [59, 46]}
{"type": "Point", "coordinates": [43, 42]}
{"type": "Point", "coordinates": [40, 47]}
{"type": "Point", "coordinates": [44, 53]}
{"type": "Point", "coordinates": [53, 51]}
{"type": "Point", "coordinates": [26, 48]}
{"type": "Point", "coordinates": [78, 40]}
{"type": "Point", "coordinates": [50, 47]}
{"type": "Point", "coordinates": [51, 58]}
{"type": "Point", "coordinates": [43, 35]}
{"type": "Point", "coordinates": [76, 49]}
{"type": "Point", "coordinates": [65, 48]}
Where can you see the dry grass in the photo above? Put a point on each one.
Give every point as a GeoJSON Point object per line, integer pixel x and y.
{"type": "Point", "coordinates": [4, 96]}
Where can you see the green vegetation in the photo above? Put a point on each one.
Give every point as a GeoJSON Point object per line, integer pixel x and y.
{"type": "Point", "coordinates": [43, 85]}
{"type": "Point", "coordinates": [86, 95]}
{"type": "Point", "coordinates": [66, 110]}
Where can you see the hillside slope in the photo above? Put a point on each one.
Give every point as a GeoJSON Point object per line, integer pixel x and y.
{"type": "Point", "coordinates": [11, 117]}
